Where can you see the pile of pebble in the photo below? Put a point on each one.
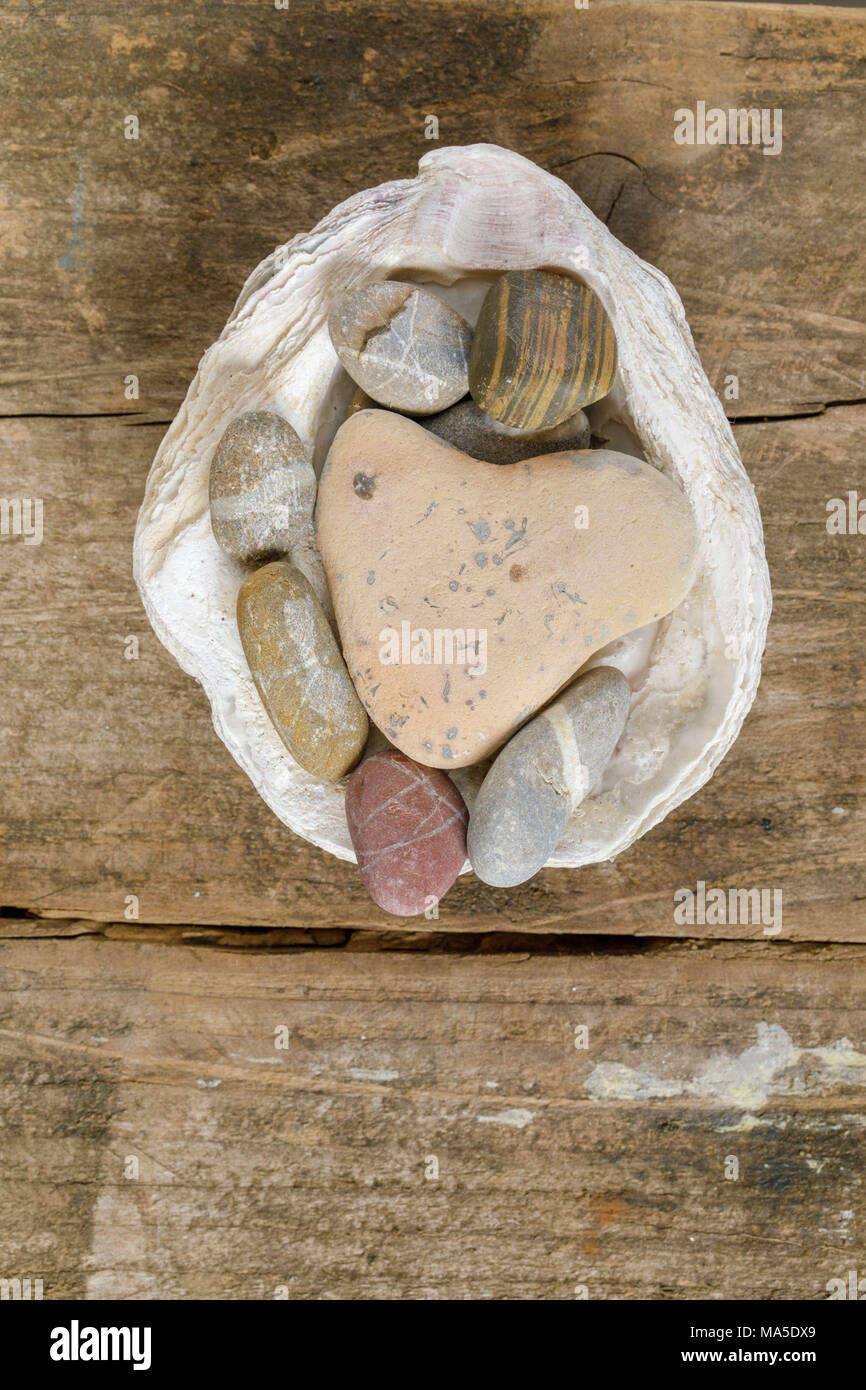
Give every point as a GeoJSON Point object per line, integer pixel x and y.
{"type": "Point", "coordinates": [510, 390]}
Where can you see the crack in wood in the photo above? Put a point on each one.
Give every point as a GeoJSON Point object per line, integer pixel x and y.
{"type": "Point", "coordinates": [808, 412]}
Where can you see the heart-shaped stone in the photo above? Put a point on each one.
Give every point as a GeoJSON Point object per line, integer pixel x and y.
{"type": "Point", "coordinates": [468, 594]}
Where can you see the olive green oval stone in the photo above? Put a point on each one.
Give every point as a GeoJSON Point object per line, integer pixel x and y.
{"type": "Point", "coordinates": [543, 348]}
{"type": "Point", "coordinates": [298, 671]}
{"type": "Point", "coordinates": [262, 487]}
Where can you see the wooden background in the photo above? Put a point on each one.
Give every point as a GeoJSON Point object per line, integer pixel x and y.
{"type": "Point", "coordinates": [307, 1168]}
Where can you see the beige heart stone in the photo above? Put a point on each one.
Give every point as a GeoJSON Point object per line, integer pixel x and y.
{"type": "Point", "coordinates": [467, 594]}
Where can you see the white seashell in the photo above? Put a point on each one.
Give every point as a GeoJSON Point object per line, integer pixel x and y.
{"type": "Point", "coordinates": [472, 209]}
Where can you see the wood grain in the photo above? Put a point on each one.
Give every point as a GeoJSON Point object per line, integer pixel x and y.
{"type": "Point", "coordinates": [303, 1168]}
{"type": "Point", "coordinates": [122, 257]}
{"type": "Point", "coordinates": [115, 784]}
{"type": "Point", "coordinates": [254, 122]}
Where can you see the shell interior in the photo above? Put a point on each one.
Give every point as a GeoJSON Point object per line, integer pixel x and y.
{"type": "Point", "coordinates": [471, 213]}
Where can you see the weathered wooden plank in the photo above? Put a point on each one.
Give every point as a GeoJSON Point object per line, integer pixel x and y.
{"type": "Point", "coordinates": [114, 783]}
{"type": "Point", "coordinates": [303, 1167]}
{"type": "Point", "coordinates": [122, 257]}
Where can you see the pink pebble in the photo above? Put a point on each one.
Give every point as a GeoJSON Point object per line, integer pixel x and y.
{"type": "Point", "coordinates": [408, 829]}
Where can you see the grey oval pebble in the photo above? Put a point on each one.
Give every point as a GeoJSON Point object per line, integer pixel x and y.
{"type": "Point", "coordinates": [467, 427]}
{"type": "Point", "coordinates": [542, 774]}
{"type": "Point", "coordinates": [405, 347]}
{"type": "Point", "coordinates": [262, 487]}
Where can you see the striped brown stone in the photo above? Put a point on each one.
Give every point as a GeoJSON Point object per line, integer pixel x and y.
{"type": "Point", "coordinates": [543, 348]}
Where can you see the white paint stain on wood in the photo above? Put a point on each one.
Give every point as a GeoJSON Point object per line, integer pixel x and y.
{"type": "Point", "coordinates": [845, 1218]}
{"type": "Point", "coordinates": [516, 1119]}
{"type": "Point", "coordinates": [774, 1066]}
{"type": "Point", "coordinates": [746, 1123]}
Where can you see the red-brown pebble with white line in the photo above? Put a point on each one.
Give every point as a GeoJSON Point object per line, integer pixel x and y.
{"type": "Point", "coordinates": [408, 828]}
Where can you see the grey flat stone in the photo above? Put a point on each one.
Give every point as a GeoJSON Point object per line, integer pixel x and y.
{"type": "Point", "coordinates": [262, 488]}
{"type": "Point", "coordinates": [541, 776]}
{"type": "Point", "coordinates": [402, 345]}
